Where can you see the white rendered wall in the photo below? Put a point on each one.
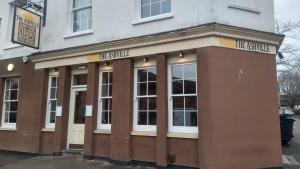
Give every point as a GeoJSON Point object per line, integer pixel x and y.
{"type": "Point", "coordinates": [115, 19]}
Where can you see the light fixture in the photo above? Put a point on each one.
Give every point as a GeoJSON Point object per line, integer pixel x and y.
{"type": "Point", "coordinates": [81, 67]}
{"type": "Point", "coordinates": [146, 59]}
{"type": "Point", "coordinates": [181, 55]}
{"type": "Point", "coordinates": [106, 64]}
{"type": "Point", "coordinates": [10, 67]}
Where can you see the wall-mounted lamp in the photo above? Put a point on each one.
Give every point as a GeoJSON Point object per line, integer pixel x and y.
{"type": "Point", "coordinates": [10, 67]}
{"type": "Point", "coordinates": [181, 55]}
{"type": "Point", "coordinates": [146, 59]}
{"type": "Point", "coordinates": [106, 64]}
{"type": "Point", "coordinates": [81, 67]}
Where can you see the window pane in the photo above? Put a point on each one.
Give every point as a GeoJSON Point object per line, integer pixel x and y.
{"type": "Point", "coordinates": [7, 95]}
{"type": "Point", "coordinates": [80, 79]}
{"type": "Point", "coordinates": [14, 83]}
{"type": "Point", "coordinates": [110, 104]}
{"type": "Point", "coordinates": [53, 93]}
{"type": "Point", "coordinates": [53, 106]}
{"type": "Point", "coordinates": [177, 87]}
{"type": "Point", "coordinates": [104, 91]}
{"type": "Point", "coordinates": [178, 118]}
{"type": "Point", "coordinates": [145, 11]}
{"type": "Point", "coordinates": [13, 95]}
{"type": "Point", "coordinates": [155, 9]}
{"type": "Point", "coordinates": [7, 84]}
{"type": "Point", "coordinates": [6, 119]}
{"type": "Point", "coordinates": [145, 2]}
{"type": "Point", "coordinates": [109, 116]}
{"type": "Point", "coordinates": [142, 75]}
{"type": "Point", "coordinates": [79, 113]}
{"type": "Point", "coordinates": [166, 6]}
{"type": "Point", "coordinates": [105, 78]}
{"type": "Point", "coordinates": [191, 103]}
{"type": "Point", "coordinates": [190, 118]}
{"type": "Point", "coordinates": [142, 88]}
{"type": "Point", "coordinates": [7, 106]}
{"type": "Point", "coordinates": [178, 103]}
{"type": "Point", "coordinates": [152, 118]}
{"type": "Point", "coordinates": [82, 19]}
{"type": "Point", "coordinates": [190, 71]}
{"type": "Point", "coordinates": [13, 106]}
{"type": "Point", "coordinates": [52, 117]}
{"type": "Point", "coordinates": [142, 104]}
{"type": "Point", "coordinates": [142, 118]}
{"type": "Point", "coordinates": [105, 117]}
{"type": "Point", "coordinates": [152, 103]}
{"type": "Point", "coordinates": [81, 3]}
{"type": "Point", "coordinates": [152, 74]}
{"type": "Point", "coordinates": [152, 88]}
{"type": "Point", "coordinates": [54, 82]}
{"type": "Point", "coordinates": [110, 90]}
{"type": "Point", "coordinates": [12, 117]}
{"type": "Point", "coordinates": [177, 72]}
{"type": "Point", "coordinates": [189, 86]}
{"type": "Point", "coordinates": [105, 104]}
{"type": "Point", "coordinates": [110, 77]}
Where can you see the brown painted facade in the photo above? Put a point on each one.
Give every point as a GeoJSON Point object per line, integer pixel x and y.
{"type": "Point", "coordinates": [237, 113]}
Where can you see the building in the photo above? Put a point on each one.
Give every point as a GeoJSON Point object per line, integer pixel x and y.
{"type": "Point", "coordinates": [170, 82]}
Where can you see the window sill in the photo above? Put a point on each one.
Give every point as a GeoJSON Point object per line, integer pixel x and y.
{"type": "Point", "coordinates": [48, 129]}
{"type": "Point", "coordinates": [183, 135]}
{"type": "Point", "coordinates": [153, 18]}
{"type": "Point", "coordinates": [245, 9]}
{"type": "Point", "coordinates": [102, 131]}
{"type": "Point", "coordinates": [12, 46]}
{"type": "Point", "coordinates": [7, 129]}
{"type": "Point", "coordinates": [143, 133]}
{"type": "Point", "coordinates": [76, 34]}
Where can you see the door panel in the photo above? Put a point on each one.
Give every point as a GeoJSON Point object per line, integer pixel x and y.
{"type": "Point", "coordinates": [77, 117]}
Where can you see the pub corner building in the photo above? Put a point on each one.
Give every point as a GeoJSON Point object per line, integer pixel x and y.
{"type": "Point", "coordinates": [167, 82]}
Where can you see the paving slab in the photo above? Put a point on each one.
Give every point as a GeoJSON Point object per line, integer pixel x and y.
{"type": "Point", "coordinates": [58, 162]}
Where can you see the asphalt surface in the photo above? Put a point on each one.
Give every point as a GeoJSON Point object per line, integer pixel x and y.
{"type": "Point", "coordinates": [294, 148]}
{"type": "Point", "coordinates": [55, 162]}
{"type": "Point", "coordinates": [17, 161]}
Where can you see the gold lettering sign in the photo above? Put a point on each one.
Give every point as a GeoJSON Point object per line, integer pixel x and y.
{"type": "Point", "coordinates": [26, 29]}
{"type": "Point", "coordinates": [245, 45]}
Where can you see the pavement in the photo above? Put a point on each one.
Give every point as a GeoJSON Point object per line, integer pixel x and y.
{"type": "Point", "coordinates": [291, 159]}
{"type": "Point", "coordinates": [55, 162]}
{"type": "Point", "coordinates": [291, 154]}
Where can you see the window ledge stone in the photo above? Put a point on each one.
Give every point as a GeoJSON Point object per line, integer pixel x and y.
{"type": "Point", "coordinates": [102, 131]}
{"type": "Point", "coordinates": [76, 34]}
{"type": "Point", "coordinates": [183, 135]}
{"type": "Point", "coordinates": [153, 18]}
{"type": "Point", "coordinates": [144, 133]}
{"type": "Point", "coordinates": [246, 9]}
{"type": "Point", "coordinates": [48, 129]}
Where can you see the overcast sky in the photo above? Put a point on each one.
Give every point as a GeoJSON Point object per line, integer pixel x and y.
{"type": "Point", "coordinates": [286, 10]}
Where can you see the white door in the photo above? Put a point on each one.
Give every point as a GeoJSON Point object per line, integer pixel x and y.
{"type": "Point", "coordinates": [77, 118]}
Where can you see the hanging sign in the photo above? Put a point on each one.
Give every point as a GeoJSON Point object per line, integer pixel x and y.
{"type": "Point", "coordinates": [26, 28]}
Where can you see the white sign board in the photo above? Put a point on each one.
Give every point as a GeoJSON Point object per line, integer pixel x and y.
{"type": "Point", "coordinates": [26, 28]}
{"type": "Point", "coordinates": [89, 111]}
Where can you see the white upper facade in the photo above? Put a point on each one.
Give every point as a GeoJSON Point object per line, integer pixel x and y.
{"type": "Point", "coordinates": [72, 23]}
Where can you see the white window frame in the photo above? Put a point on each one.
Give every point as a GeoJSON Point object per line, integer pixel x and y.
{"type": "Point", "coordinates": [100, 125]}
{"type": "Point", "coordinates": [154, 17]}
{"type": "Point", "coordinates": [73, 10]}
{"type": "Point", "coordinates": [47, 123]}
{"type": "Point", "coordinates": [3, 123]}
{"type": "Point", "coordinates": [179, 129]}
{"type": "Point", "coordinates": [136, 126]}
